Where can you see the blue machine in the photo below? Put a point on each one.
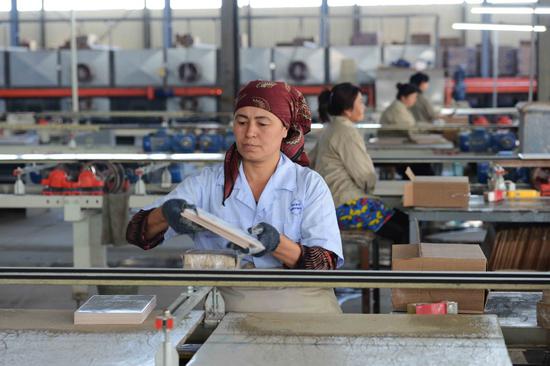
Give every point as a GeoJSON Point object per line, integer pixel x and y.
{"type": "Point", "coordinates": [159, 141]}
{"type": "Point", "coordinates": [479, 140]}
{"type": "Point", "coordinates": [228, 140]}
{"type": "Point", "coordinates": [211, 142]}
{"type": "Point", "coordinates": [464, 141]}
{"type": "Point", "coordinates": [184, 142]}
{"type": "Point", "coordinates": [503, 140]}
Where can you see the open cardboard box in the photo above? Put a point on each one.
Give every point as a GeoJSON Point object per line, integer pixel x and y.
{"type": "Point", "coordinates": [428, 191]}
{"type": "Point", "coordinates": [439, 257]}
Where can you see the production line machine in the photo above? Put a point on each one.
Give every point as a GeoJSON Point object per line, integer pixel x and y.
{"type": "Point", "coordinates": [210, 335]}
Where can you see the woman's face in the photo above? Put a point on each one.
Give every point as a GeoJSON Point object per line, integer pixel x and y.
{"type": "Point", "coordinates": [357, 112]}
{"type": "Point", "coordinates": [409, 100]}
{"type": "Point", "coordinates": [258, 134]}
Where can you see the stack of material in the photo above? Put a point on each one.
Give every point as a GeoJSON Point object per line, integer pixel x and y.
{"type": "Point", "coordinates": [521, 248]}
{"type": "Point", "coordinates": [115, 309]}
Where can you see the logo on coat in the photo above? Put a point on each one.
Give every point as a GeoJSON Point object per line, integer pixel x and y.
{"type": "Point", "coordinates": [296, 207]}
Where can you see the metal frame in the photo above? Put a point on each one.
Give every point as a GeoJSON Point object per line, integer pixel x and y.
{"type": "Point", "coordinates": [275, 278]}
{"type": "Point", "coordinates": [487, 212]}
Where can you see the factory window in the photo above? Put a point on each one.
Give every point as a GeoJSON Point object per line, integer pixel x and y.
{"type": "Point", "coordinates": [5, 5]}
{"type": "Point", "coordinates": [29, 5]}
{"type": "Point", "coordinates": [60, 5]}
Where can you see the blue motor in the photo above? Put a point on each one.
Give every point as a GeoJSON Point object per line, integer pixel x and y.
{"type": "Point", "coordinates": [503, 140]}
{"type": "Point", "coordinates": [211, 142]}
{"type": "Point", "coordinates": [464, 141]}
{"type": "Point", "coordinates": [184, 142]}
{"type": "Point", "coordinates": [159, 141]}
{"type": "Point", "coordinates": [228, 140]}
{"type": "Point", "coordinates": [479, 140]}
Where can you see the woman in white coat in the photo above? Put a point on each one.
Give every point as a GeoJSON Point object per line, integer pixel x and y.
{"type": "Point", "coordinates": [263, 185]}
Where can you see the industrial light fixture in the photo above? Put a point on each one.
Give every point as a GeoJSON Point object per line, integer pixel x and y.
{"type": "Point", "coordinates": [499, 27]}
{"type": "Point", "coordinates": [409, 2]}
{"type": "Point", "coordinates": [512, 1]}
{"type": "Point", "coordinates": [511, 10]}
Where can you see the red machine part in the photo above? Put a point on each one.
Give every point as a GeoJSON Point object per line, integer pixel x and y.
{"type": "Point", "coordinates": [162, 322]}
{"type": "Point", "coordinates": [480, 121]}
{"type": "Point", "coordinates": [89, 183]}
{"type": "Point", "coordinates": [57, 183]}
{"type": "Point", "coordinates": [504, 120]}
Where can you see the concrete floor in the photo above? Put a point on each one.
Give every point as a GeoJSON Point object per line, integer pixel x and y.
{"type": "Point", "coordinates": [40, 238]}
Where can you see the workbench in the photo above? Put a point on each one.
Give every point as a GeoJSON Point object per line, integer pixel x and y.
{"type": "Point", "coordinates": [49, 337]}
{"type": "Point", "coordinates": [84, 212]}
{"type": "Point", "coordinates": [535, 210]}
{"type": "Point", "coordinates": [354, 339]}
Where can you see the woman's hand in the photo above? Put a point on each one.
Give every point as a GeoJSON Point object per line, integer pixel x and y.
{"type": "Point", "coordinates": [279, 245]}
{"type": "Point", "coordinates": [172, 209]}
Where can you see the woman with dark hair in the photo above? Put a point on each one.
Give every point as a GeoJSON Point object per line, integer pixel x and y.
{"type": "Point", "coordinates": [264, 186]}
{"type": "Point", "coordinates": [341, 158]}
{"type": "Point", "coordinates": [398, 115]}
{"type": "Point", "coordinates": [422, 110]}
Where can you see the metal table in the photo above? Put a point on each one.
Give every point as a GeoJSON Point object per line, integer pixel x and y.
{"type": "Point", "coordinates": [527, 211]}
{"type": "Point", "coordinates": [49, 337]}
{"type": "Point", "coordinates": [84, 212]}
{"type": "Point", "coordinates": [354, 339]}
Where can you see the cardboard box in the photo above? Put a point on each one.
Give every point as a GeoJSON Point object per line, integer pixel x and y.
{"type": "Point", "coordinates": [428, 191]}
{"type": "Point", "coordinates": [439, 257]}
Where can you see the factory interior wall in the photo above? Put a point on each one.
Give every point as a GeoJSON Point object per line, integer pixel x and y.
{"type": "Point", "coordinates": [265, 33]}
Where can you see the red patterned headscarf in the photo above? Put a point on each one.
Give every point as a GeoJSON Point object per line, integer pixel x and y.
{"type": "Point", "coordinates": [285, 102]}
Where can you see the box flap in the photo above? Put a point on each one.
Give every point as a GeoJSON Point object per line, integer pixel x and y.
{"type": "Point", "coordinates": [410, 174]}
{"type": "Point", "coordinates": [405, 251]}
{"type": "Point", "coordinates": [456, 251]}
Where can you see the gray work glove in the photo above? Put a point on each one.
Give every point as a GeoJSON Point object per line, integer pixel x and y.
{"type": "Point", "coordinates": [266, 234]}
{"type": "Point", "coordinates": [172, 210]}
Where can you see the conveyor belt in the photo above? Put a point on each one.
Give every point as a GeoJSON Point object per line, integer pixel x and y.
{"type": "Point", "coordinates": [276, 278]}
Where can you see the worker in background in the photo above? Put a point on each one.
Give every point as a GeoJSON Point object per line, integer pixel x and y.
{"type": "Point", "coordinates": [341, 157]}
{"type": "Point", "coordinates": [265, 187]}
{"type": "Point", "coordinates": [422, 110]}
{"type": "Point", "coordinates": [398, 114]}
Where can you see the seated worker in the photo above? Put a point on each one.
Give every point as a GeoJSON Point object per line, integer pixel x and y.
{"type": "Point", "coordinates": [398, 113]}
{"type": "Point", "coordinates": [422, 110]}
{"type": "Point", "coordinates": [341, 157]}
{"type": "Point", "coordinates": [264, 185]}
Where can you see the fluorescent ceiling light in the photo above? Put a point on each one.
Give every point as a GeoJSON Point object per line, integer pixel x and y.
{"type": "Point", "coordinates": [411, 2]}
{"type": "Point", "coordinates": [510, 10]}
{"type": "Point", "coordinates": [499, 27]}
{"type": "Point", "coordinates": [491, 10]}
{"type": "Point", "coordinates": [512, 1]}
